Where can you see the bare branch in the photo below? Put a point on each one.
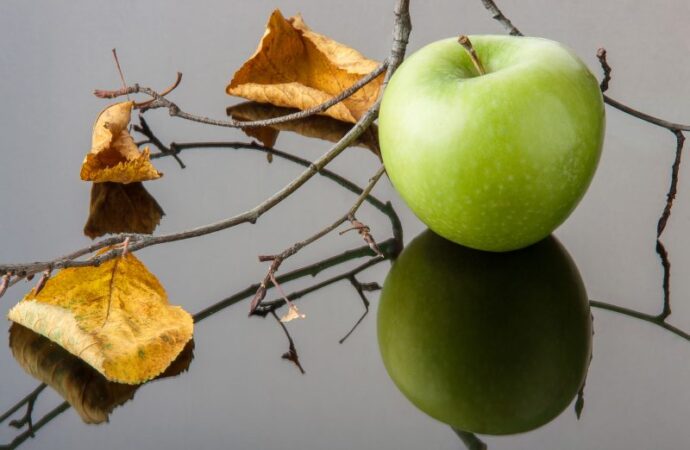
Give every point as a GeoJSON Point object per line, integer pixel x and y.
{"type": "Point", "coordinates": [606, 68]}
{"type": "Point", "coordinates": [159, 101]}
{"type": "Point", "coordinates": [656, 320]}
{"type": "Point", "coordinates": [144, 129]}
{"type": "Point", "coordinates": [673, 188]}
{"type": "Point", "coordinates": [665, 279]}
{"type": "Point", "coordinates": [601, 55]}
{"type": "Point", "coordinates": [498, 15]}
{"type": "Point", "coordinates": [360, 288]}
{"type": "Point", "coordinates": [471, 441]}
{"type": "Point", "coordinates": [291, 354]}
{"type": "Point", "coordinates": [277, 259]}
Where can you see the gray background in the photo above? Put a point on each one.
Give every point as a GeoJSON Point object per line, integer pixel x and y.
{"type": "Point", "coordinates": [239, 393]}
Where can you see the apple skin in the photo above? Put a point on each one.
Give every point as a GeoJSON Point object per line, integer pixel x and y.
{"type": "Point", "coordinates": [498, 161]}
{"type": "Point", "coordinates": [487, 343]}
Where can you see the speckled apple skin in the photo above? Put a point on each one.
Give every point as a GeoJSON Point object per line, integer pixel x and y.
{"type": "Point", "coordinates": [494, 162]}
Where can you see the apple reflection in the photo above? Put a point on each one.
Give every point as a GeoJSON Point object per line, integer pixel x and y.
{"type": "Point", "coordinates": [487, 343]}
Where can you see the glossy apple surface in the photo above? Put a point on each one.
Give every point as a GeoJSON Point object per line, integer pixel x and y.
{"type": "Point", "coordinates": [488, 343]}
{"type": "Point", "coordinates": [495, 161]}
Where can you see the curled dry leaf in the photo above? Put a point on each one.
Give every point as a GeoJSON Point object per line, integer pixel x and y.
{"type": "Point", "coordinates": [116, 317]}
{"type": "Point", "coordinates": [114, 156]}
{"type": "Point", "coordinates": [297, 68]}
{"type": "Point", "coordinates": [292, 314]}
{"type": "Point", "coordinates": [319, 127]}
{"type": "Point", "coordinates": [87, 391]}
{"type": "Point", "coordinates": [121, 208]}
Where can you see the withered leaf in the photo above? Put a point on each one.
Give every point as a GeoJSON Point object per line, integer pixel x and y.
{"type": "Point", "coordinates": [121, 208]}
{"type": "Point", "coordinates": [86, 390]}
{"type": "Point", "coordinates": [116, 317]}
{"type": "Point", "coordinates": [292, 314]}
{"type": "Point", "coordinates": [319, 127]}
{"type": "Point", "coordinates": [298, 68]}
{"type": "Point", "coordinates": [114, 156]}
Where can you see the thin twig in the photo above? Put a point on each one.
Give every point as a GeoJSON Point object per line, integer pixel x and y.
{"type": "Point", "coordinates": [277, 259]}
{"type": "Point", "coordinates": [644, 116]}
{"type": "Point", "coordinates": [498, 15]}
{"type": "Point", "coordinates": [606, 69]}
{"type": "Point", "coordinates": [119, 70]}
{"type": "Point", "coordinates": [665, 279]}
{"type": "Point", "coordinates": [601, 55]}
{"type": "Point", "coordinates": [272, 305]}
{"type": "Point", "coordinates": [291, 354]}
{"type": "Point", "coordinates": [5, 283]}
{"type": "Point", "coordinates": [144, 129]}
{"type": "Point", "coordinates": [17, 441]}
{"type": "Point", "coordinates": [360, 288]}
{"type": "Point", "coordinates": [471, 441]}
{"type": "Point", "coordinates": [42, 282]}
{"type": "Point", "coordinates": [28, 398]}
{"type": "Point", "coordinates": [656, 320]}
{"type": "Point", "coordinates": [673, 188]}
{"type": "Point", "coordinates": [158, 101]}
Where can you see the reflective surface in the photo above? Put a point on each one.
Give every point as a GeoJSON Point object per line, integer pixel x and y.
{"type": "Point", "coordinates": [238, 392]}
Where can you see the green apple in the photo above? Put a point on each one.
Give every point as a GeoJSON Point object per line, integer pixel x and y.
{"type": "Point", "coordinates": [485, 342]}
{"type": "Point", "coordinates": [494, 161]}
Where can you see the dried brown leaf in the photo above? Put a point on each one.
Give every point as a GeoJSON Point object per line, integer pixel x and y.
{"type": "Point", "coordinates": [292, 314]}
{"type": "Point", "coordinates": [297, 68]}
{"type": "Point", "coordinates": [114, 156]}
{"type": "Point", "coordinates": [116, 317]}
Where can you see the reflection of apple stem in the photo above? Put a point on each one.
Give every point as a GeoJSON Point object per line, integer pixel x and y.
{"type": "Point", "coordinates": [467, 45]}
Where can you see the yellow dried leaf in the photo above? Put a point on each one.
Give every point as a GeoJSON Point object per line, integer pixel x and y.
{"type": "Point", "coordinates": [297, 68]}
{"type": "Point", "coordinates": [116, 317]}
{"type": "Point", "coordinates": [114, 156]}
{"type": "Point", "coordinates": [121, 208]}
{"type": "Point", "coordinates": [319, 127]}
{"type": "Point", "coordinates": [87, 391]}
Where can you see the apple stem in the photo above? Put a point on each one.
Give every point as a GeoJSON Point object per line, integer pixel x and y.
{"type": "Point", "coordinates": [467, 45]}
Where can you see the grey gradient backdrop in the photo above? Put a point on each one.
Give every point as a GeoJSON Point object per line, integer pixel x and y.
{"type": "Point", "coordinates": [239, 394]}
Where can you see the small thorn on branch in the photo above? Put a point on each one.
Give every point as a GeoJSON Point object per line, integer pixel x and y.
{"type": "Point", "coordinates": [103, 93]}
{"type": "Point", "coordinates": [42, 282]}
{"type": "Point", "coordinates": [260, 294]}
{"type": "Point", "coordinates": [365, 232]}
{"type": "Point", "coordinates": [601, 55]}
{"type": "Point", "coordinates": [143, 106]}
{"type": "Point", "coordinates": [125, 247]}
{"type": "Point", "coordinates": [5, 283]}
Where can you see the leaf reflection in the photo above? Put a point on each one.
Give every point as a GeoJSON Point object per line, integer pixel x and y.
{"type": "Point", "coordinates": [320, 127]}
{"type": "Point", "coordinates": [86, 390]}
{"type": "Point", "coordinates": [121, 208]}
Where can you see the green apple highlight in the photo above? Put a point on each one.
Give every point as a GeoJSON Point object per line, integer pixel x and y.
{"type": "Point", "coordinates": [495, 161]}
{"type": "Point", "coordinates": [487, 343]}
